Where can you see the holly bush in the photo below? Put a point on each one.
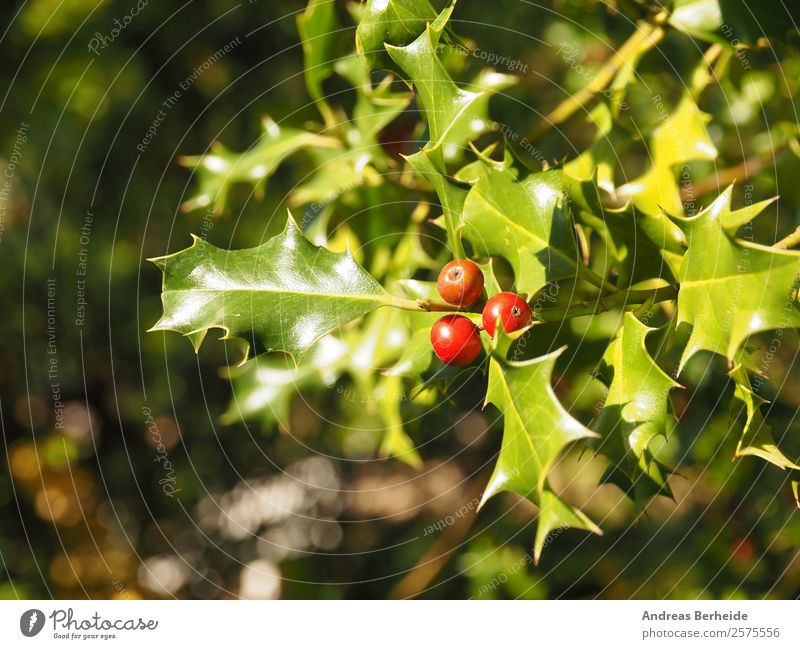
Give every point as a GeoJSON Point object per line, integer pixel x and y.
{"type": "Point", "coordinates": [639, 260]}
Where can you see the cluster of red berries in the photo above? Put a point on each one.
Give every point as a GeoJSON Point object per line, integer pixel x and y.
{"type": "Point", "coordinates": [455, 339]}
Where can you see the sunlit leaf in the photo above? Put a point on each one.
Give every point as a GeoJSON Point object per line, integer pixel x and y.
{"type": "Point", "coordinates": [283, 295]}
{"type": "Point", "coordinates": [757, 437]}
{"type": "Point", "coordinates": [680, 137]}
{"type": "Point", "coordinates": [730, 289]}
{"type": "Point", "coordinates": [524, 219]}
{"type": "Point", "coordinates": [449, 110]}
{"type": "Point", "coordinates": [221, 168]}
{"type": "Point", "coordinates": [635, 412]}
{"type": "Point", "coordinates": [536, 430]}
{"type": "Point", "coordinates": [392, 22]}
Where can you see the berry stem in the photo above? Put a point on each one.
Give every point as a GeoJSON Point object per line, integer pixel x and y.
{"type": "Point", "coordinates": [424, 305]}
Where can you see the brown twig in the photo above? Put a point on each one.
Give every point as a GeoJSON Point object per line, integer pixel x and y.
{"type": "Point", "coordinates": [721, 179]}
{"type": "Point", "coordinates": [437, 556]}
{"type": "Point", "coordinates": [646, 36]}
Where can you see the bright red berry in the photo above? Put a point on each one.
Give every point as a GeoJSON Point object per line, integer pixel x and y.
{"type": "Point", "coordinates": [455, 340]}
{"type": "Point", "coordinates": [460, 282]}
{"type": "Point", "coordinates": [512, 310]}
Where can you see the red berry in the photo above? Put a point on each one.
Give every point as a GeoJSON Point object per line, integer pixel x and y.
{"type": "Point", "coordinates": [460, 282]}
{"type": "Point", "coordinates": [512, 310]}
{"type": "Point", "coordinates": [455, 340]}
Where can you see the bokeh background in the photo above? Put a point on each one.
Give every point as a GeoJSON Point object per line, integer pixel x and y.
{"type": "Point", "coordinates": [121, 477]}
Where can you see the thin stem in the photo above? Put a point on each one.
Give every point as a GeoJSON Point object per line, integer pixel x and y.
{"type": "Point", "coordinates": [424, 305]}
{"type": "Point", "coordinates": [790, 241]}
{"type": "Point", "coordinates": [645, 37]}
{"type": "Point", "coordinates": [595, 280]}
{"type": "Point", "coordinates": [717, 181]}
{"type": "Point", "coordinates": [455, 240]}
{"type": "Point", "coordinates": [622, 298]}
{"type": "Point", "coordinates": [327, 114]}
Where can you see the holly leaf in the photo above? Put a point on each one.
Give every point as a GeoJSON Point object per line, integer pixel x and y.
{"type": "Point", "coordinates": [283, 295]}
{"type": "Point", "coordinates": [535, 433]}
{"type": "Point", "coordinates": [555, 515]}
{"type": "Point", "coordinates": [757, 438]}
{"type": "Point", "coordinates": [451, 195]}
{"type": "Point", "coordinates": [635, 412]}
{"type": "Point", "coordinates": [525, 219]}
{"type": "Point", "coordinates": [392, 22]}
{"type": "Point", "coordinates": [449, 109]}
{"type": "Point", "coordinates": [681, 137]}
{"type": "Point", "coordinates": [731, 289]}
{"type": "Point", "coordinates": [221, 168]}
{"type": "Point", "coordinates": [263, 387]}
{"type": "Point", "coordinates": [487, 83]}
{"type": "Point", "coordinates": [319, 32]}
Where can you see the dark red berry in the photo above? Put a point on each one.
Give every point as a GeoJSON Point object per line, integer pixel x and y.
{"type": "Point", "coordinates": [455, 340]}
{"type": "Point", "coordinates": [460, 282]}
{"type": "Point", "coordinates": [512, 310]}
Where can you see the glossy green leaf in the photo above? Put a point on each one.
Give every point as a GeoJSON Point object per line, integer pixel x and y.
{"type": "Point", "coordinates": [392, 22]}
{"type": "Point", "coordinates": [536, 430]}
{"type": "Point", "coordinates": [635, 412]}
{"type": "Point", "coordinates": [451, 196]}
{"type": "Point", "coordinates": [283, 295]}
{"type": "Point", "coordinates": [221, 168]}
{"type": "Point", "coordinates": [730, 289]}
{"type": "Point", "coordinates": [448, 108]}
{"type": "Point", "coordinates": [757, 438]}
{"type": "Point", "coordinates": [524, 219]}
{"type": "Point", "coordinates": [554, 516]}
